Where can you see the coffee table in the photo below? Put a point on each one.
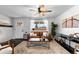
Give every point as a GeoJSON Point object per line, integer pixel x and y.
{"type": "Point", "coordinates": [37, 42]}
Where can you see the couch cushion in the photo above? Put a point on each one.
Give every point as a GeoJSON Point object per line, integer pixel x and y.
{"type": "Point", "coordinates": [34, 39]}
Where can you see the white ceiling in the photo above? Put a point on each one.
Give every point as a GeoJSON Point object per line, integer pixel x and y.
{"type": "Point", "coordinates": [25, 10]}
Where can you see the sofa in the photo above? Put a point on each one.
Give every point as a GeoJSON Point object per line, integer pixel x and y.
{"type": "Point", "coordinates": [38, 34]}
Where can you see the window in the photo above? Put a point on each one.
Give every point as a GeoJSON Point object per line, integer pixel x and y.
{"type": "Point", "coordinates": [39, 25]}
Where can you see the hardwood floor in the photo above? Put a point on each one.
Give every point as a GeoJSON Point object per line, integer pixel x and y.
{"type": "Point", "coordinates": [55, 48]}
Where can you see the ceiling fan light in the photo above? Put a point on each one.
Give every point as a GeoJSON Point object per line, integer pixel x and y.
{"type": "Point", "coordinates": [42, 14]}
{"type": "Point", "coordinates": [42, 8]}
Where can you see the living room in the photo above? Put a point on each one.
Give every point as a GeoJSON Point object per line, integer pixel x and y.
{"type": "Point", "coordinates": [20, 24]}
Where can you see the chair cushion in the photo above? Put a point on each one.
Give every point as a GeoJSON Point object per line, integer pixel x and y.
{"type": "Point", "coordinates": [6, 51]}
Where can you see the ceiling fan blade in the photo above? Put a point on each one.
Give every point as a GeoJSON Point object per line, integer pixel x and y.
{"type": "Point", "coordinates": [48, 11]}
{"type": "Point", "coordinates": [32, 10]}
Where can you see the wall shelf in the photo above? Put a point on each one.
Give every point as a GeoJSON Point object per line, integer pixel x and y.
{"type": "Point", "coordinates": [6, 26]}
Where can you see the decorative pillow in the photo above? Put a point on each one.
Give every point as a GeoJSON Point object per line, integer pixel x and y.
{"type": "Point", "coordinates": [46, 39]}
{"type": "Point", "coordinates": [31, 34]}
{"type": "Point", "coordinates": [44, 34]}
{"type": "Point", "coordinates": [35, 34]}
{"type": "Point", "coordinates": [77, 35]}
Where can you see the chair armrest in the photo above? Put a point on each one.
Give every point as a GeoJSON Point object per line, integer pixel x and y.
{"type": "Point", "coordinates": [4, 47]}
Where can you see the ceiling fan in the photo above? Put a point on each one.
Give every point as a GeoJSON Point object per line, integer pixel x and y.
{"type": "Point", "coordinates": [42, 10]}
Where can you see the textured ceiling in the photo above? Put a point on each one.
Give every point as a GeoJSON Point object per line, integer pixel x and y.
{"type": "Point", "coordinates": [26, 10]}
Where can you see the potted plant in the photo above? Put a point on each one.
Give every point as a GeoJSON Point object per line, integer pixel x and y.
{"type": "Point", "coordinates": [53, 28]}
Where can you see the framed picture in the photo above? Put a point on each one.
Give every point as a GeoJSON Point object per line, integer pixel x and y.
{"type": "Point", "coordinates": [19, 23]}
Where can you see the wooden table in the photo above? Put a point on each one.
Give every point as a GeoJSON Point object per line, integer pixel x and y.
{"type": "Point", "coordinates": [36, 42]}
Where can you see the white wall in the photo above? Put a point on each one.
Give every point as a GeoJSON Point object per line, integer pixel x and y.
{"type": "Point", "coordinates": [71, 12]}
{"type": "Point", "coordinates": [5, 32]}
{"type": "Point", "coordinates": [5, 19]}
{"type": "Point", "coordinates": [18, 31]}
